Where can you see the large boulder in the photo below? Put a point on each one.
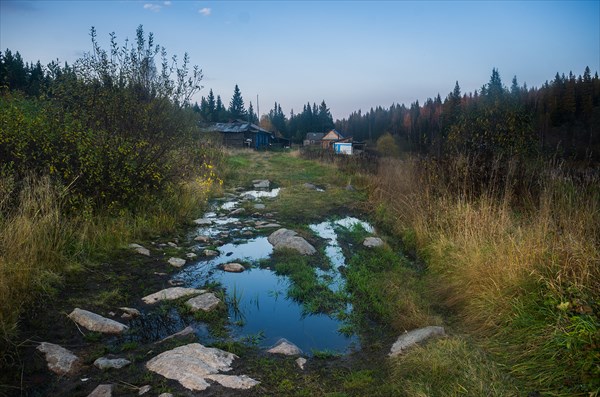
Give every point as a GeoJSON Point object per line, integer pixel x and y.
{"type": "Point", "coordinates": [97, 323]}
{"type": "Point", "coordinates": [60, 360]}
{"type": "Point", "coordinates": [171, 294]}
{"type": "Point", "coordinates": [411, 338]}
{"type": "Point", "coordinates": [192, 364]}
{"type": "Point", "coordinates": [289, 239]}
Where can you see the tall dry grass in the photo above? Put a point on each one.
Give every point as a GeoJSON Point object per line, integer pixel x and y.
{"type": "Point", "coordinates": [515, 251]}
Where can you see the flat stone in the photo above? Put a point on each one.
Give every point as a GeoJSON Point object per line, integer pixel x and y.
{"type": "Point", "coordinates": [202, 239]}
{"type": "Point", "coordinates": [131, 311]}
{"type": "Point", "coordinates": [233, 268]}
{"type": "Point", "coordinates": [261, 183]}
{"type": "Point", "coordinates": [184, 332]}
{"type": "Point", "coordinates": [310, 186]}
{"type": "Point", "coordinates": [269, 226]}
{"type": "Point", "coordinates": [191, 255]}
{"type": "Point", "coordinates": [372, 242]}
{"type": "Point", "coordinates": [411, 338]}
{"type": "Point", "coordinates": [190, 364]}
{"type": "Point", "coordinates": [107, 363]}
{"type": "Point", "coordinates": [301, 361]}
{"type": "Point", "coordinates": [165, 395]}
{"type": "Point", "coordinates": [139, 249]}
{"type": "Point", "coordinates": [211, 253]}
{"type": "Point", "coordinates": [203, 222]}
{"type": "Point", "coordinates": [234, 381]}
{"type": "Point", "coordinates": [206, 302]}
{"type": "Point", "coordinates": [102, 391]}
{"type": "Point", "coordinates": [237, 211]}
{"type": "Point", "coordinates": [288, 239]}
{"type": "Point", "coordinates": [171, 294]}
{"type": "Point", "coordinates": [177, 262]}
{"type": "Point", "coordinates": [172, 244]}
{"type": "Point", "coordinates": [144, 389]}
{"type": "Point", "coordinates": [97, 323]}
{"type": "Point", "coordinates": [259, 206]}
{"type": "Point", "coordinates": [285, 347]}
{"type": "Point", "coordinates": [60, 360]}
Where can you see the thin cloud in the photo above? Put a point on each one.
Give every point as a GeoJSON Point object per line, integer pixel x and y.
{"type": "Point", "coordinates": [167, 3]}
{"type": "Point", "coordinates": [152, 7]}
{"type": "Point", "coordinates": [204, 11]}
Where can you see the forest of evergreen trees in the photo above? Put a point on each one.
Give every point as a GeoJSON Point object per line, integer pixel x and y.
{"type": "Point", "coordinates": [562, 117]}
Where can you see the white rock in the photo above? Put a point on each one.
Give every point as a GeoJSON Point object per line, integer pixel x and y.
{"type": "Point", "coordinates": [261, 183]}
{"type": "Point", "coordinates": [131, 311]}
{"type": "Point", "coordinates": [372, 242]}
{"type": "Point", "coordinates": [177, 262]}
{"type": "Point", "coordinates": [144, 390]}
{"type": "Point", "coordinates": [203, 221]}
{"type": "Point", "coordinates": [102, 391]}
{"type": "Point", "coordinates": [260, 206]}
{"type": "Point", "coordinates": [206, 302]}
{"type": "Point", "coordinates": [106, 363]}
{"type": "Point", "coordinates": [140, 250]}
{"type": "Point", "coordinates": [172, 244]}
{"type": "Point", "coordinates": [211, 253]}
{"type": "Point", "coordinates": [190, 364]}
{"type": "Point", "coordinates": [60, 360]}
{"type": "Point", "coordinates": [411, 338]}
{"type": "Point", "coordinates": [97, 323]}
{"type": "Point", "coordinates": [285, 347]}
{"type": "Point", "coordinates": [288, 239]}
{"type": "Point", "coordinates": [301, 361]}
{"type": "Point", "coordinates": [234, 381]}
{"type": "Point", "coordinates": [171, 294]}
{"type": "Point", "coordinates": [233, 267]}
{"type": "Point", "coordinates": [191, 255]}
{"type": "Point", "coordinates": [165, 395]}
{"type": "Point", "coordinates": [202, 239]}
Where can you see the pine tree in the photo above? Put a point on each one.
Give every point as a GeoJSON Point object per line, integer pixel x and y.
{"type": "Point", "coordinates": [325, 119]}
{"type": "Point", "coordinates": [236, 106]}
{"type": "Point", "coordinates": [211, 106]}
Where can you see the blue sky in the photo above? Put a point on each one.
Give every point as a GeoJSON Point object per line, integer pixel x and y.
{"type": "Point", "coordinates": [352, 54]}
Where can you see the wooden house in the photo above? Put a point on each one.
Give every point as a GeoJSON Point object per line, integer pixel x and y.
{"type": "Point", "coordinates": [243, 134]}
{"type": "Point", "coordinates": [313, 138]}
{"type": "Point", "coordinates": [331, 137]}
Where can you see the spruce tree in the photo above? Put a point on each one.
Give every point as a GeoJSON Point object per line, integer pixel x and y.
{"type": "Point", "coordinates": [236, 106]}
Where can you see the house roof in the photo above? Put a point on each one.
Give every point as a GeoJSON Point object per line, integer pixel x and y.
{"type": "Point", "coordinates": [237, 127]}
{"type": "Point", "coordinates": [314, 136]}
{"type": "Point", "coordinates": [333, 135]}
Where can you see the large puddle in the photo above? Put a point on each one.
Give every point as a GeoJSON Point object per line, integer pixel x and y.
{"type": "Point", "coordinates": [257, 298]}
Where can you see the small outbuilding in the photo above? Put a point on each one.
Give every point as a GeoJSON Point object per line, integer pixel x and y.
{"type": "Point", "coordinates": [313, 138]}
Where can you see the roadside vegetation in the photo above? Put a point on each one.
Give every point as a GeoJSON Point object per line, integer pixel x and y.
{"type": "Point", "coordinates": [102, 154]}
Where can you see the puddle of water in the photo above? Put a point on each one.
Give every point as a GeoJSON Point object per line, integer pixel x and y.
{"type": "Point", "coordinates": [327, 230]}
{"type": "Point", "coordinates": [262, 306]}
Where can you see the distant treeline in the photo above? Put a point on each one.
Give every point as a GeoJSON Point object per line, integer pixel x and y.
{"type": "Point", "coordinates": [561, 118]}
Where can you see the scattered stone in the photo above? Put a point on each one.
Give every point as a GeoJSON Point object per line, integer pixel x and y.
{"type": "Point", "coordinates": [171, 244]}
{"type": "Point", "coordinates": [259, 206]}
{"type": "Point", "coordinates": [372, 242]}
{"type": "Point", "coordinates": [171, 294]}
{"type": "Point", "coordinates": [261, 183]}
{"type": "Point", "coordinates": [207, 302]}
{"type": "Point", "coordinates": [310, 186]}
{"type": "Point", "coordinates": [165, 395]}
{"type": "Point", "coordinates": [237, 211]}
{"type": "Point", "coordinates": [301, 361]}
{"type": "Point", "coordinates": [233, 268]}
{"type": "Point", "coordinates": [107, 363]}
{"type": "Point", "coordinates": [177, 262]}
{"type": "Point", "coordinates": [102, 391]}
{"type": "Point", "coordinates": [247, 233]}
{"type": "Point", "coordinates": [144, 390]}
{"type": "Point", "coordinates": [202, 239]}
{"type": "Point", "coordinates": [268, 226]}
{"type": "Point", "coordinates": [140, 250]}
{"type": "Point", "coordinates": [269, 215]}
{"type": "Point", "coordinates": [288, 239]}
{"type": "Point", "coordinates": [203, 222]}
{"type": "Point", "coordinates": [210, 253]}
{"type": "Point", "coordinates": [97, 323]}
{"type": "Point", "coordinates": [160, 274]}
{"type": "Point", "coordinates": [112, 314]}
{"type": "Point", "coordinates": [191, 255]}
{"type": "Point", "coordinates": [411, 338]}
{"type": "Point", "coordinates": [191, 364]}
{"type": "Point", "coordinates": [60, 360]}
{"type": "Point", "coordinates": [234, 381]}
{"type": "Point", "coordinates": [131, 311]}
{"type": "Point", "coordinates": [285, 347]}
{"type": "Point", "coordinates": [184, 332]}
